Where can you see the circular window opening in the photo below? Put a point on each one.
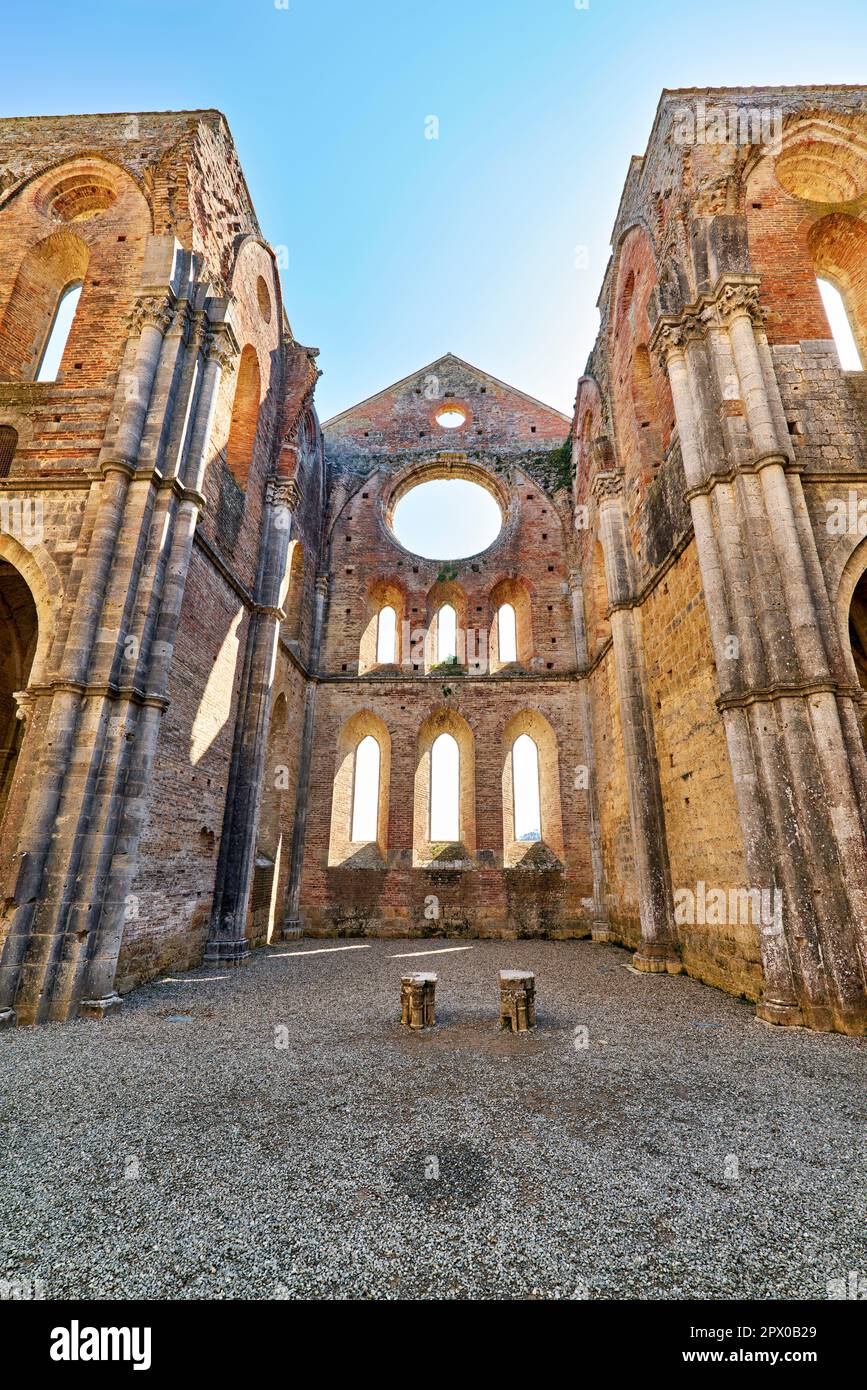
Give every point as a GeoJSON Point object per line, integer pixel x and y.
{"type": "Point", "coordinates": [447, 519]}
{"type": "Point", "coordinates": [451, 417]}
{"type": "Point", "coordinates": [264, 299]}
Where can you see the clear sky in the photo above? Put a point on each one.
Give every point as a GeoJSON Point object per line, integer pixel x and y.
{"type": "Point", "coordinates": [400, 247]}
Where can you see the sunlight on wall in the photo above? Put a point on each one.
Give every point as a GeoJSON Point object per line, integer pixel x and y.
{"type": "Point", "coordinates": [215, 706]}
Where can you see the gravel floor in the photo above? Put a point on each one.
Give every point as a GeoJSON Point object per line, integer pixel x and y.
{"type": "Point", "coordinates": [273, 1132]}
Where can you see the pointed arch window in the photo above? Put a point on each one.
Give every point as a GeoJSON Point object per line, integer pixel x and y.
{"type": "Point", "coordinates": [447, 633]}
{"type": "Point", "coordinates": [58, 334]}
{"type": "Point", "coordinates": [386, 634]}
{"type": "Point", "coordinates": [525, 781]}
{"type": "Point", "coordinates": [445, 790]}
{"type": "Point", "coordinates": [507, 634]}
{"type": "Point", "coordinates": [840, 325]}
{"type": "Point", "coordinates": [365, 791]}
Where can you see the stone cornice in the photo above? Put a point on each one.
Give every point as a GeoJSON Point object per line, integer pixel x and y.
{"type": "Point", "coordinates": [107, 690]}
{"type": "Point", "coordinates": [788, 690]}
{"type": "Point", "coordinates": [728, 475]}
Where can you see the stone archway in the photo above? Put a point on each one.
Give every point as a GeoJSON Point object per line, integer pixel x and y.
{"type": "Point", "coordinates": [19, 630]}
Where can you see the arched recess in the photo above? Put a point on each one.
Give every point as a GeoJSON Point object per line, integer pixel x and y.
{"type": "Point", "coordinates": [852, 618]}
{"type": "Point", "coordinates": [85, 218]}
{"type": "Point", "coordinates": [649, 434]}
{"type": "Point", "coordinates": [343, 851]}
{"type": "Point", "coordinates": [446, 592]}
{"type": "Point", "coordinates": [516, 594]}
{"type": "Point", "coordinates": [838, 247]}
{"type": "Point", "coordinates": [272, 840]}
{"type": "Point", "coordinates": [426, 851]}
{"type": "Point", "coordinates": [19, 626]}
{"type": "Point", "coordinates": [596, 602]}
{"type": "Point", "coordinates": [641, 407]}
{"type": "Point", "coordinates": [49, 269]}
{"type": "Point", "coordinates": [293, 604]}
{"type": "Point", "coordinates": [43, 580]}
{"type": "Point", "coordinates": [550, 850]}
{"type": "Point", "coordinates": [382, 594]}
{"type": "Point", "coordinates": [241, 442]}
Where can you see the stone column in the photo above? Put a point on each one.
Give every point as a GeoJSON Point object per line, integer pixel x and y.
{"type": "Point", "coordinates": [292, 920]}
{"type": "Point", "coordinates": [227, 941]}
{"type": "Point", "coordinates": [215, 350]}
{"type": "Point", "coordinates": [600, 931]}
{"type": "Point", "coordinates": [659, 950]}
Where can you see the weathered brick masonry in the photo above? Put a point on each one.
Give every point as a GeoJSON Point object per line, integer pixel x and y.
{"type": "Point", "coordinates": [192, 572]}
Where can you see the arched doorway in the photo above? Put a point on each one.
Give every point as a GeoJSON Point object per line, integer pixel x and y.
{"type": "Point", "coordinates": [18, 634]}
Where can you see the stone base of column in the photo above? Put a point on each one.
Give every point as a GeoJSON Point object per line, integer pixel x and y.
{"type": "Point", "coordinates": [782, 1015]}
{"type": "Point", "coordinates": [100, 1008]}
{"type": "Point", "coordinates": [291, 929]}
{"type": "Point", "coordinates": [7, 1018]}
{"type": "Point", "coordinates": [657, 960]}
{"type": "Point", "coordinates": [233, 952]}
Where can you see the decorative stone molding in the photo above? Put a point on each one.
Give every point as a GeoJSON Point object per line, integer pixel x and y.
{"type": "Point", "coordinates": [24, 701]}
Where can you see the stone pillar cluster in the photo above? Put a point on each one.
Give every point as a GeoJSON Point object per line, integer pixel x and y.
{"type": "Point", "coordinates": [107, 686]}
{"type": "Point", "coordinates": [790, 712]}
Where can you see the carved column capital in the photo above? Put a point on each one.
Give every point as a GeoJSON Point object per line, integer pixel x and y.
{"type": "Point", "coordinates": [282, 492]}
{"type": "Point", "coordinates": [221, 346]}
{"type": "Point", "coordinates": [151, 309]}
{"type": "Point", "coordinates": [607, 485]}
{"type": "Point", "coordinates": [740, 297]}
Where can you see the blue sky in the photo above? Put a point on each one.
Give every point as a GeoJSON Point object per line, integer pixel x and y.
{"type": "Point", "coordinates": [401, 247]}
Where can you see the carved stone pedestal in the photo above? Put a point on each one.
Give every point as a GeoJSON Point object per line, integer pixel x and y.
{"type": "Point", "coordinates": [417, 1000]}
{"type": "Point", "coordinates": [517, 1000]}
